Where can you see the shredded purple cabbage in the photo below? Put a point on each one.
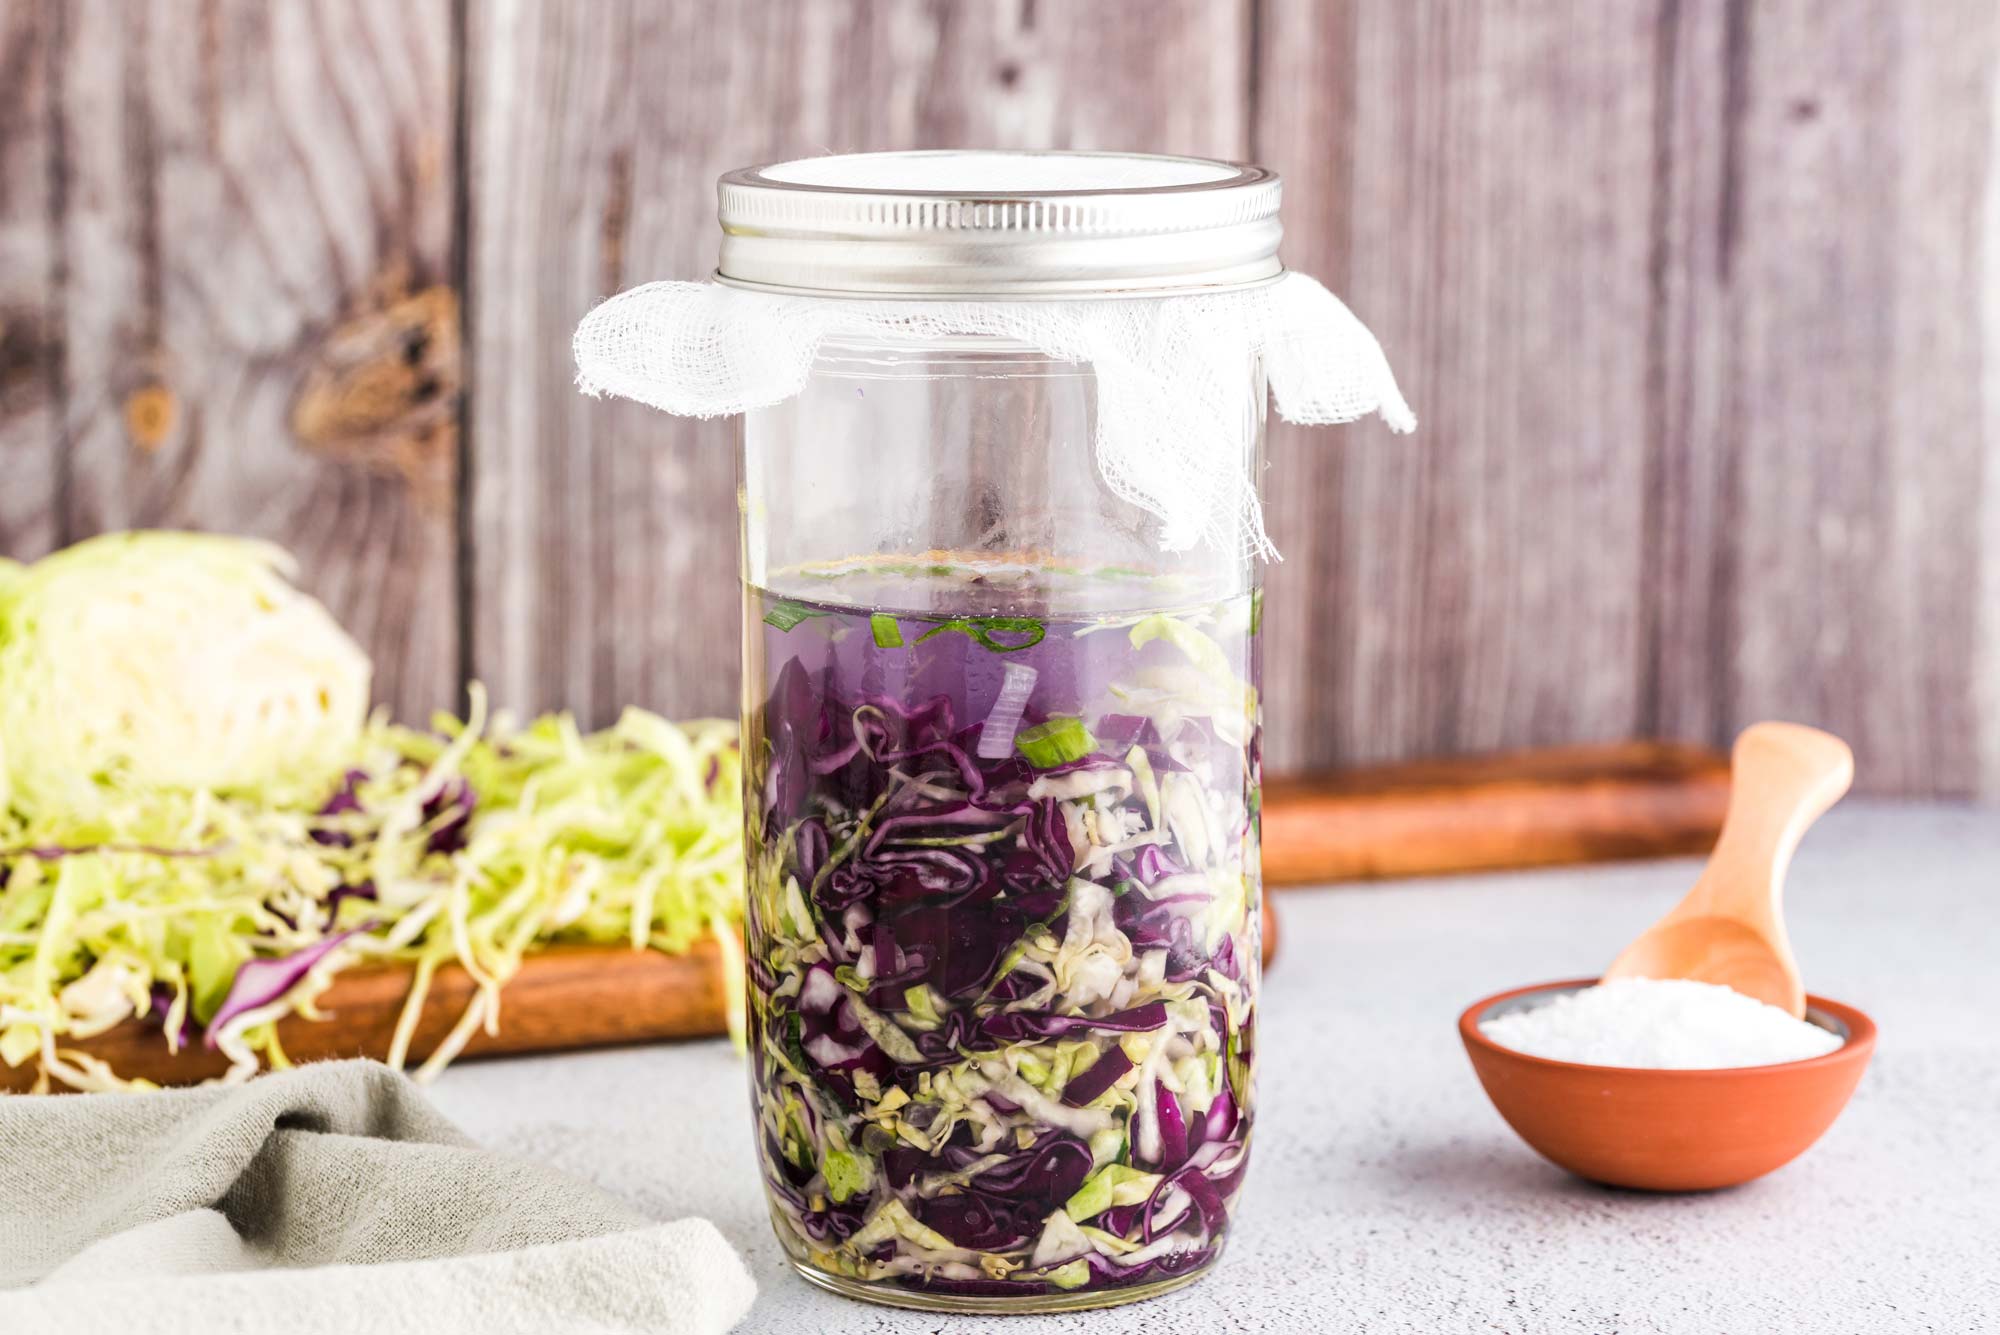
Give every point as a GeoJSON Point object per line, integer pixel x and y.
{"type": "Point", "coordinates": [259, 982]}
{"type": "Point", "coordinates": [981, 991]}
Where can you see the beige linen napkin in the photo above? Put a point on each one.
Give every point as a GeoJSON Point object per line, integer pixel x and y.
{"type": "Point", "coordinates": [330, 1198]}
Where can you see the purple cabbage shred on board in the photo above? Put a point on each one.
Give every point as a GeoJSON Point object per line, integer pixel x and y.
{"type": "Point", "coordinates": [261, 981]}
{"type": "Point", "coordinates": [447, 814]}
{"type": "Point", "coordinates": [160, 1009]}
{"type": "Point", "coordinates": [1002, 1007]}
{"type": "Point", "coordinates": [342, 893]}
{"type": "Point", "coordinates": [346, 800]}
{"type": "Point", "coordinates": [448, 817]}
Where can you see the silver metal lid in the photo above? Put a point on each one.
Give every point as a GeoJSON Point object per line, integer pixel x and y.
{"type": "Point", "coordinates": [985, 224]}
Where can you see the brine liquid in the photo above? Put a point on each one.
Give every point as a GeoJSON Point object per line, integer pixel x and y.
{"type": "Point", "coordinates": [1003, 932]}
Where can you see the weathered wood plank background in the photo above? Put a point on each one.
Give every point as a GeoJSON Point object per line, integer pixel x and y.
{"type": "Point", "coordinates": [1696, 299]}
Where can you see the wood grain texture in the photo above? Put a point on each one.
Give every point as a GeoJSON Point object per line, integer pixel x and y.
{"type": "Point", "coordinates": [1822, 436]}
{"type": "Point", "coordinates": [248, 190]}
{"type": "Point", "coordinates": [1693, 298]}
{"type": "Point", "coordinates": [30, 355]}
{"type": "Point", "coordinates": [1475, 180]}
{"type": "Point", "coordinates": [1484, 813]}
{"type": "Point", "coordinates": [564, 997]}
{"type": "Point", "coordinates": [1985, 566]}
{"type": "Point", "coordinates": [603, 537]}
{"type": "Point", "coordinates": [1684, 293]}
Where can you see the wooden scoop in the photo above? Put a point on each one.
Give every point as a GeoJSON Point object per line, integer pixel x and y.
{"type": "Point", "coordinates": [1731, 928]}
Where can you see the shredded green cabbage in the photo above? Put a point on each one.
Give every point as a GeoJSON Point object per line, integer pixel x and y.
{"type": "Point", "coordinates": [628, 835]}
{"type": "Point", "coordinates": [200, 801]}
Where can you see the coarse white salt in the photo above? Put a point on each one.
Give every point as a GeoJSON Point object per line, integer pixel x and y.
{"type": "Point", "coordinates": [1659, 1023]}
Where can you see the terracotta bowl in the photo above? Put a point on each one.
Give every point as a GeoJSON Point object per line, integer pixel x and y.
{"type": "Point", "coordinates": [1667, 1130]}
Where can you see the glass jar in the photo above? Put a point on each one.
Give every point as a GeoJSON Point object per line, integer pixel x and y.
{"type": "Point", "coordinates": [1002, 767]}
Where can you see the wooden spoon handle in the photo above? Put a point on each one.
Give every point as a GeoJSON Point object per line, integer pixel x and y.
{"type": "Point", "coordinates": [1784, 776]}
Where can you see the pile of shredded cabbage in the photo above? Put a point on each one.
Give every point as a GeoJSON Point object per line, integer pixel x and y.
{"type": "Point", "coordinates": [213, 910]}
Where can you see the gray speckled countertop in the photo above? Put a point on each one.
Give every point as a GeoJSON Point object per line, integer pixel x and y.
{"type": "Point", "coordinates": [1386, 1194]}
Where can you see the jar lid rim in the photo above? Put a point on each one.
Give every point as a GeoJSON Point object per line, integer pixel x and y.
{"type": "Point", "coordinates": [1052, 224]}
{"type": "Point", "coordinates": [1226, 175]}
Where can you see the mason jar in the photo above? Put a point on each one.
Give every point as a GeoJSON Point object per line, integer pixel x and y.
{"type": "Point", "coordinates": [1001, 740]}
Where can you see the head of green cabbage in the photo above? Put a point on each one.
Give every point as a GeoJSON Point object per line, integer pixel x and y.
{"type": "Point", "coordinates": [144, 661]}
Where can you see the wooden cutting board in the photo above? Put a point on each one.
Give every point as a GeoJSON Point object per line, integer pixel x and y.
{"type": "Point", "coordinates": [1490, 813]}
{"type": "Point", "coordinates": [1532, 808]}
{"type": "Point", "coordinates": [563, 997]}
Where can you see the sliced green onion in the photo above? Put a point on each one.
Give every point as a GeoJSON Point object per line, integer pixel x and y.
{"type": "Point", "coordinates": [888, 635]}
{"type": "Point", "coordinates": [785, 615]}
{"type": "Point", "coordinates": [982, 629]}
{"type": "Point", "coordinates": [1056, 742]}
{"type": "Point", "coordinates": [1256, 610]}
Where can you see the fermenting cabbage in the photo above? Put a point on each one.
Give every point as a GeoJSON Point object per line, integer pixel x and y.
{"type": "Point", "coordinates": [1002, 935]}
